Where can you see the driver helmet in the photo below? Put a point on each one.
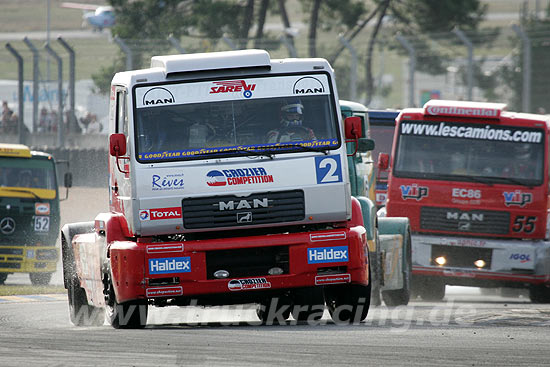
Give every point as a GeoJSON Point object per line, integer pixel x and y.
{"type": "Point", "coordinates": [292, 113]}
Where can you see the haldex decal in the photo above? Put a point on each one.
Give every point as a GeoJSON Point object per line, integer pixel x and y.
{"type": "Point", "coordinates": [413, 192]}
{"type": "Point", "coordinates": [232, 86]}
{"type": "Point", "coordinates": [334, 254]}
{"type": "Point", "coordinates": [517, 198]}
{"type": "Point", "coordinates": [170, 265]}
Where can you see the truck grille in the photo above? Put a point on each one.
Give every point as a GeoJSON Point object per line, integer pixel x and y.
{"type": "Point", "coordinates": [466, 221]}
{"type": "Point", "coordinates": [247, 262]}
{"type": "Point", "coordinates": [231, 210]}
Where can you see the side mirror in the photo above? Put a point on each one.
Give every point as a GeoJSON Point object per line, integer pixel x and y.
{"type": "Point", "coordinates": [68, 180]}
{"type": "Point", "coordinates": [117, 145]}
{"type": "Point", "coordinates": [365, 145]}
{"type": "Point", "coordinates": [353, 127]}
{"type": "Point", "coordinates": [383, 161]}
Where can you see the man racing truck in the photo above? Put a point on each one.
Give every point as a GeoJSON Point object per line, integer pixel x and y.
{"type": "Point", "coordinates": [29, 213]}
{"type": "Point", "coordinates": [473, 180]}
{"type": "Point", "coordinates": [217, 196]}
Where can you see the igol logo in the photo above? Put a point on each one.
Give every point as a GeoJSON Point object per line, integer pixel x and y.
{"type": "Point", "coordinates": [308, 85]}
{"type": "Point", "coordinates": [158, 95]}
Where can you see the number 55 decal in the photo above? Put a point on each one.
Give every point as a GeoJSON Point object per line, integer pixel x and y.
{"type": "Point", "coordinates": [328, 169]}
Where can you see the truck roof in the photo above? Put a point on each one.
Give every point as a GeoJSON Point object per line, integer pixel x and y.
{"type": "Point", "coordinates": [164, 68]}
{"type": "Point", "coordinates": [21, 151]}
{"type": "Point", "coordinates": [473, 110]}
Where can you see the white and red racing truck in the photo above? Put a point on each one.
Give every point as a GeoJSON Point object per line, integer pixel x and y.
{"type": "Point", "coordinates": [473, 179]}
{"type": "Point", "coordinates": [217, 198]}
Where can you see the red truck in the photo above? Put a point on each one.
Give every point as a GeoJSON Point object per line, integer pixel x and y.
{"type": "Point", "coordinates": [473, 179]}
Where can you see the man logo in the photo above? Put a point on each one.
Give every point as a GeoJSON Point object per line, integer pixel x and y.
{"type": "Point", "coordinates": [308, 85]}
{"type": "Point", "coordinates": [158, 96]}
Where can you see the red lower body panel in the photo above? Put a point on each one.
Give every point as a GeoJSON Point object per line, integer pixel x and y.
{"type": "Point", "coordinates": [153, 270]}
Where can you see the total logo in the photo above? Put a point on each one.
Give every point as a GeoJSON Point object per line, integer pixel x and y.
{"type": "Point", "coordinates": [156, 214]}
{"type": "Point", "coordinates": [240, 176]}
{"type": "Point", "coordinates": [170, 265]}
{"type": "Point", "coordinates": [327, 254]}
{"type": "Point", "coordinates": [523, 258]}
{"type": "Point", "coordinates": [518, 198]}
{"type": "Point", "coordinates": [248, 284]}
{"type": "Point", "coordinates": [232, 86]}
{"type": "Point", "coordinates": [413, 192]}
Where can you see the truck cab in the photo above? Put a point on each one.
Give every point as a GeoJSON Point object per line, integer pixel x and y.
{"type": "Point", "coordinates": [29, 213]}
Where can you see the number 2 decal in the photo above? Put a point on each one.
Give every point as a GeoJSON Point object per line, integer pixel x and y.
{"type": "Point", "coordinates": [328, 169]}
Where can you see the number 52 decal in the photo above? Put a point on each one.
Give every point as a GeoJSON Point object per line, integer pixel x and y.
{"type": "Point", "coordinates": [328, 169]}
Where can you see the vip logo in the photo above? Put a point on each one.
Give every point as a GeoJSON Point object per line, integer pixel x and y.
{"type": "Point", "coordinates": [413, 192]}
{"type": "Point", "coordinates": [327, 254]}
{"type": "Point", "coordinates": [231, 86]}
{"type": "Point", "coordinates": [518, 198]}
{"type": "Point", "coordinates": [170, 265]}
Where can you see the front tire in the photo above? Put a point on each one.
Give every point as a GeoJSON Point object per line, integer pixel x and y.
{"type": "Point", "coordinates": [348, 303]}
{"type": "Point", "coordinates": [539, 293]}
{"type": "Point", "coordinates": [80, 312]}
{"type": "Point", "coordinates": [429, 289]}
{"type": "Point", "coordinates": [3, 277]}
{"type": "Point", "coordinates": [401, 297]}
{"type": "Point", "coordinates": [127, 315]}
{"type": "Point", "coordinates": [40, 278]}
{"type": "Point", "coordinates": [308, 304]}
{"type": "Point", "coordinates": [274, 311]}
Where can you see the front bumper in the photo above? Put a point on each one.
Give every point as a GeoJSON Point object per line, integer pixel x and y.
{"type": "Point", "coordinates": [28, 259]}
{"type": "Point", "coordinates": [506, 261]}
{"type": "Point", "coordinates": [146, 270]}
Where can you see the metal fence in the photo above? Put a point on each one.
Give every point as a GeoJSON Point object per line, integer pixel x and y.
{"type": "Point", "coordinates": [401, 76]}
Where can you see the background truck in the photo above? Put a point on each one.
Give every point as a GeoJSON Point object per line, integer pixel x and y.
{"type": "Point", "coordinates": [473, 180]}
{"type": "Point", "coordinates": [388, 238]}
{"type": "Point", "coordinates": [29, 213]}
{"type": "Point", "coordinates": [227, 185]}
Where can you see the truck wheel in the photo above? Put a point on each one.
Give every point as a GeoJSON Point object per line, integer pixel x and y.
{"type": "Point", "coordinates": [308, 304]}
{"type": "Point", "coordinates": [40, 278]}
{"type": "Point", "coordinates": [274, 311]}
{"type": "Point", "coordinates": [402, 296]}
{"type": "Point", "coordinates": [348, 303]}
{"type": "Point", "coordinates": [127, 315]}
{"type": "Point", "coordinates": [539, 293]}
{"type": "Point", "coordinates": [3, 277]}
{"type": "Point", "coordinates": [429, 289]}
{"type": "Point", "coordinates": [80, 312]}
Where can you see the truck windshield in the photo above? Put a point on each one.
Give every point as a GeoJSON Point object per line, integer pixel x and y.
{"type": "Point", "coordinates": [255, 116]}
{"type": "Point", "coordinates": [28, 173]}
{"type": "Point", "coordinates": [462, 152]}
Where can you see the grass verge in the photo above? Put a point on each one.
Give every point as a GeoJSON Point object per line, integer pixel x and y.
{"type": "Point", "coordinates": [18, 290]}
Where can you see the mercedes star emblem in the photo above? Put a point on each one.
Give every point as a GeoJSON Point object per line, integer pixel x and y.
{"type": "Point", "coordinates": [7, 225]}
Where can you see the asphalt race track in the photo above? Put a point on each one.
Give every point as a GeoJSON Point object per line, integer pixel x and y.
{"type": "Point", "coordinates": [467, 329]}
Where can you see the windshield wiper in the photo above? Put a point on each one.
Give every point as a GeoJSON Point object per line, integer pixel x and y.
{"type": "Point", "coordinates": [25, 191]}
{"type": "Point", "coordinates": [451, 177]}
{"type": "Point", "coordinates": [304, 148]}
{"type": "Point", "coordinates": [253, 152]}
{"type": "Point", "coordinates": [514, 181]}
